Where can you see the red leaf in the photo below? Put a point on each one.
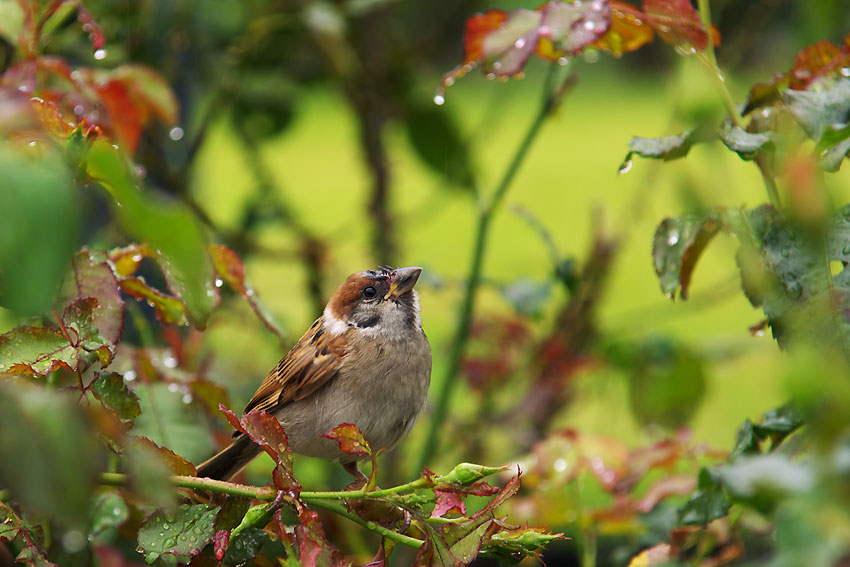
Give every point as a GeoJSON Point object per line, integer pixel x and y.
{"type": "Point", "coordinates": [566, 28]}
{"type": "Point", "coordinates": [313, 547]}
{"type": "Point", "coordinates": [678, 23]}
{"type": "Point", "coordinates": [448, 502]}
{"type": "Point", "coordinates": [51, 119]}
{"type": "Point", "coordinates": [629, 31]}
{"type": "Point", "coordinates": [815, 61]}
{"type": "Point", "coordinates": [125, 123]}
{"type": "Point", "coordinates": [350, 439]}
{"type": "Point", "coordinates": [506, 49]}
{"type": "Point", "coordinates": [478, 27]}
{"type": "Point", "coordinates": [151, 94]}
{"type": "Point", "coordinates": [220, 543]}
{"type": "Point", "coordinates": [168, 309]}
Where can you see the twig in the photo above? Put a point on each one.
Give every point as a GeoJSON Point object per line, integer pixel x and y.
{"type": "Point", "coordinates": [552, 96]}
{"type": "Point", "coordinates": [372, 526]}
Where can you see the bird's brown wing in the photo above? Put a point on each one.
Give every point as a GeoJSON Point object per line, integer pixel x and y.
{"type": "Point", "coordinates": [309, 365]}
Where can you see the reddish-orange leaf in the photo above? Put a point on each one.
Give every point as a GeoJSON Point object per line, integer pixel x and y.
{"type": "Point", "coordinates": [126, 123]}
{"type": "Point", "coordinates": [447, 503]}
{"type": "Point", "coordinates": [228, 265]}
{"type": "Point", "coordinates": [630, 30]}
{"type": "Point", "coordinates": [177, 464]}
{"type": "Point", "coordinates": [51, 119]}
{"type": "Point", "coordinates": [678, 23]}
{"type": "Point", "coordinates": [814, 61]}
{"type": "Point", "coordinates": [350, 439]}
{"type": "Point", "coordinates": [126, 260]}
{"type": "Point", "coordinates": [478, 27]}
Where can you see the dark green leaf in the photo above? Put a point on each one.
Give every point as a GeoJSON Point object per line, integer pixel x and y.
{"type": "Point", "coordinates": [667, 384]}
{"type": "Point", "coordinates": [244, 546]}
{"type": "Point", "coordinates": [748, 441]}
{"type": "Point", "coordinates": [781, 421]}
{"type": "Point", "coordinates": [38, 231]}
{"type": "Point", "coordinates": [185, 532]}
{"type": "Point", "coordinates": [832, 147]}
{"type": "Point", "coordinates": [666, 148]}
{"type": "Point", "coordinates": [708, 503]}
{"type": "Point", "coordinates": [113, 393]}
{"type": "Point", "coordinates": [676, 247]}
{"type": "Point", "coordinates": [108, 510]}
{"type": "Point", "coordinates": [745, 144]}
{"type": "Point", "coordinates": [169, 228]}
{"type": "Point", "coordinates": [48, 456]}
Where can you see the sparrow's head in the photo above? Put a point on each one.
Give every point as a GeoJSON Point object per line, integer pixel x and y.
{"type": "Point", "coordinates": [377, 301]}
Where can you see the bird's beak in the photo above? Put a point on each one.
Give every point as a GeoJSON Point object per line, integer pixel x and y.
{"type": "Point", "coordinates": [402, 281]}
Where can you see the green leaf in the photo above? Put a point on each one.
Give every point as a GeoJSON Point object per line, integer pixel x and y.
{"type": "Point", "coordinates": [150, 476]}
{"type": "Point", "coordinates": [244, 546]}
{"type": "Point", "coordinates": [108, 510]}
{"type": "Point", "coordinates": [832, 147]}
{"type": "Point", "coordinates": [184, 532]}
{"type": "Point", "coordinates": [825, 104]}
{"type": "Point", "coordinates": [113, 393]}
{"type": "Point", "coordinates": [36, 350]}
{"type": "Point", "coordinates": [748, 441]}
{"type": "Point", "coordinates": [436, 139]}
{"type": "Point", "coordinates": [667, 384]}
{"type": "Point", "coordinates": [745, 144]}
{"type": "Point", "coordinates": [48, 457]}
{"type": "Point", "coordinates": [781, 421]}
{"type": "Point", "coordinates": [168, 227]}
{"type": "Point", "coordinates": [171, 421]}
{"type": "Point", "coordinates": [676, 247]}
{"type": "Point", "coordinates": [666, 148]}
{"type": "Point", "coordinates": [38, 231]}
{"type": "Point", "coordinates": [707, 503]}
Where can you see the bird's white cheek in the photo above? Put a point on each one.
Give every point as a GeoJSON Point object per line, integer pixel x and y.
{"type": "Point", "coordinates": [332, 325]}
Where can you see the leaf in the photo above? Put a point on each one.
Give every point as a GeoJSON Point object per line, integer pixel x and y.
{"type": "Point", "coordinates": [114, 394]}
{"type": "Point", "coordinates": [833, 147]}
{"type": "Point", "coordinates": [125, 121]}
{"type": "Point", "coordinates": [184, 532]}
{"type": "Point", "coordinates": [56, 432]}
{"type": "Point", "coordinates": [108, 511]}
{"type": "Point", "coordinates": [708, 503]}
{"type": "Point", "coordinates": [175, 463]}
{"type": "Point", "coordinates": [762, 481]}
{"type": "Point", "coordinates": [313, 549]}
{"type": "Point", "coordinates": [678, 23]}
{"type": "Point", "coordinates": [506, 49]}
{"type": "Point", "coordinates": [127, 259]}
{"type": "Point", "coordinates": [230, 268]}
{"type": "Point", "coordinates": [780, 422]}
{"type": "Point", "coordinates": [667, 384]}
{"type": "Point", "coordinates": [170, 420]}
{"type": "Point", "coordinates": [169, 228]}
{"type": "Point", "coordinates": [95, 278]}
{"type": "Point", "coordinates": [265, 430]}
{"type": "Point", "coordinates": [435, 137]}
{"type": "Point", "coordinates": [168, 309]}
{"type": "Point", "coordinates": [350, 439]}
{"type": "Point", "coordinates": [150, 92]}
{"type": "Point", "coordinates": [666, 148]}
{"type": "Point", "coordinates": [243, 547]}
{"type": "Point", "coordinates": [38, 232]}
{"type": "Point", "coordinates": [448, 503]}
{"type": "Point", "coordinates": [568, 27]}
{"type": "Point", "coordinates": [36, 350]}
{"type": "Point", "coordinates": [748, 441]}
{"type": "Point", "coordinates": [676, 247]}
{"type": "Point", "coordinates": [746, 144]}
{"type": "Point", "coordinates": [824, 105]}
{"type": "Point", "coordinates": [629, 31]}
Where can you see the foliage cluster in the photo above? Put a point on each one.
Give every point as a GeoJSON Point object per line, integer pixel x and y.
{"type": "Point", "coordinates": [107, 266]}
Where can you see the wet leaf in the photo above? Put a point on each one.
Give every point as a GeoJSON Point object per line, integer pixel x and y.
{"type": "Point", "coordinates": [125, 121]}
{"type": "Point", "coordinates": [629, 31]}
{"type": "Point", "coordinates": [169, 228]}
{"type": "Point", "coordinates": [265, 430]}
{"type": "Point", "coordinates": [679, 24]}
{"type": "Point", "coordinates": [186, 531]}
{"type": "Point", "coordinates": [666, 148]}
{"type": "Point", "coordinates": [56, 433]}
{"type": "Point", "coordinates": [568, 27]}
{"type": "Point", "coordinates": [169, 310]}
{"type": "Point", "coordinates": [782, 421]}
{"type": "Point", "coordinates": [677, 245]}
{"type": "Point", "coordinates": [127, 259]}
{"type": "Point", "coordinates": [243, 547]}
{"type": "Point", "coordinates": [747, 442]}
{"type": "Point", "coordinates": [506, 49]}
{"type": "Point", "coordinates": [149, 91]}
{"type": "Point", "coordinates": [447, 503]}
{"type": "Point", "coordinates": [313, 548]}
{"type": "Point", "coordinates": [113, 393]}
{"type": "Point", "coordinates": [745, 144]}
{"type": "Point", "coordinates": [108, 511]}
{"type": "Point", "coordinates": [708, 503]}
{"type": "Point", "coordinates": [350, 439]}
{"type": "Point", "coordinates": [170, 420]}
{"type": "Point", "coordinates": [823, 106]}
{"type": "Point", "coordinates": [230, 269]}
{"type": "Point", "coordinates": [38, 231]}
{"type": "Point", "coordinates": [95, 278]}
{"type": "Point", "coordinates": [478, 27]}
{"type": "Point", "coordinates": [833, 147]}
{"type": "Point", "coordinates": [36, 350]}
{"type": "Point", "coordinates": [175, 463]}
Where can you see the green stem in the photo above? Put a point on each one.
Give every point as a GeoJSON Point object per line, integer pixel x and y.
{"type": "Point", "coordinates": [709, 60]}
{"type": "Point", "coordinates": [319, 499]}
{"type": "Point", "coordinates": [473, 281]}
{"type": "Point", "coordinates": [372, 526]}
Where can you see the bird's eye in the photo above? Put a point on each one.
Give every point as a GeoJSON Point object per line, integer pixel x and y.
{"type": "Point", "coordinates": [369, 292]}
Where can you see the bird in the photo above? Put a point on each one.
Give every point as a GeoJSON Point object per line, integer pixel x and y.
{"type": "Point", "coordinates": [366, 361]}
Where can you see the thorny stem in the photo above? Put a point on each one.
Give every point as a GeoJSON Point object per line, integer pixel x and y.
{"type": "Point", "coordinates": [319, 499]}
{"type": "Point", "coordinates": [552, 96]}
{"type": "Point", "coordinates": [709, 61]}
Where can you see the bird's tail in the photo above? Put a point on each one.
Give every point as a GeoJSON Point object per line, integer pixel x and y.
{"type": "Point", "coordinates": [230, 460]}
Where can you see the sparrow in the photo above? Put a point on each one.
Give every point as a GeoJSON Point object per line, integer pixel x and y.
{"type": "Point", "coordinates": [365, 361]}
